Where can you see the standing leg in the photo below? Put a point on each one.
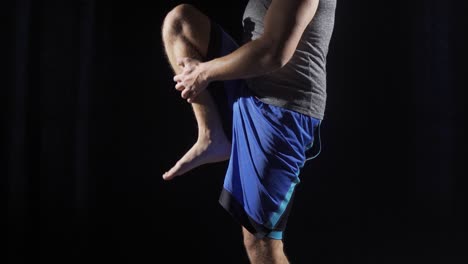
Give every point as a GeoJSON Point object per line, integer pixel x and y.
{"type": "Point", "coordinates": [265, 250]}
{"type": "Point", "coordinates": [186, 33]}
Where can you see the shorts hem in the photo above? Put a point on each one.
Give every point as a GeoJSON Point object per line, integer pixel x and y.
{"type": "Point", "coordinates": [232, 206]}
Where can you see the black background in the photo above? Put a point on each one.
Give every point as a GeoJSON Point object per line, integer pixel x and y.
{"type": "Point", "coordinates": [90, 121]}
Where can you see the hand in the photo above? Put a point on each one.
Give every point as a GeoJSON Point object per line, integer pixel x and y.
{"type": "Point", "coordinates": [191, 81]}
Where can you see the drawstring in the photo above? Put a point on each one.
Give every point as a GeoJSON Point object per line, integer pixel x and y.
{"type": "Point", "coordinates": [319, 141]}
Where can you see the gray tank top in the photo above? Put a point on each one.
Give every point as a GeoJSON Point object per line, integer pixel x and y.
{"type": "Point", "coordinates": [301, 84]}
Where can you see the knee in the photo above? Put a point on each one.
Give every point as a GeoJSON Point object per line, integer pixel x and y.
{"type": "Point", "coordinates": [251, 243]}
{"type": "Point", "coordinates": [176, 18]}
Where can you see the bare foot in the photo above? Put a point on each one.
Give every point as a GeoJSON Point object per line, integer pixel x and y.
{"type": "Point", "coordinates": [202, 152]}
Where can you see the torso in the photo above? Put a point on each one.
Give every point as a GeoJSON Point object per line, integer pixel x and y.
{"type": "Point", "coordinates": [301, 84]}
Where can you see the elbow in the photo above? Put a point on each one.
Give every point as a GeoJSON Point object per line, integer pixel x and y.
{"type": "Point", "coordinates": [275, 55]}
{"type": "Point", "coordinates": [284, 59]}
{"type": "Point", "coordinates": [278, 58]}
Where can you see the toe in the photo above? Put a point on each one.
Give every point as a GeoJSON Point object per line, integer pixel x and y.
{"type": "Point", "coordinates": [171, 173]}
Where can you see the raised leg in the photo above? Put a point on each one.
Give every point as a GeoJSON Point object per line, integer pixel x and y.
{"type": "Point", "coordinates": [265, 250]}
{"type": "Point", "coordinates": [186, 33]}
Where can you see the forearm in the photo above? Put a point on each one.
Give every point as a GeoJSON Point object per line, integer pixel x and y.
{"type": "Point", "coordinates": [254, 58]}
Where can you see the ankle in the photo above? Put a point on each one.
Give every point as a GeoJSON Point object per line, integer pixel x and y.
{"type": "Point", "coordinates": [210, 135]}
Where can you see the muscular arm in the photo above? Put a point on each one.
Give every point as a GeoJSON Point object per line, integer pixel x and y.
{"type": "Point", "coordinates": [284, 24]}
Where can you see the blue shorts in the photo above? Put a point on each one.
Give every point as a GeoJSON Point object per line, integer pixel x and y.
{"type": "Point", "coordinates": [270, 145]}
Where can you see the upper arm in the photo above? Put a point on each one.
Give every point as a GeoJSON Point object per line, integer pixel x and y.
{"type": "Point", "coordinates": [284, 24]}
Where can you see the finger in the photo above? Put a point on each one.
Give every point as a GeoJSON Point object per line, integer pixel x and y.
{"type": "Point", "coordinates": [194, 93]}
{"type": "Point", "coordinates": [177, 78]}
{"type": "Point", "coordinates": [179, 86]}
{"type": "Point", "coordinates": [180, 62]}
{"type": "Point", "coordinates": [186, 93]}
{"type": "Point", "coordinates": [192, 97]}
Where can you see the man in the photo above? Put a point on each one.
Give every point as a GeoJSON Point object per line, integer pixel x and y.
{"type": "Point", "coordinates": [259, 105]}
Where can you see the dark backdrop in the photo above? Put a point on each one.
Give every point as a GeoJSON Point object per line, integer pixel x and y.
{"type": "Point", "coordinates": [90, 121]}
